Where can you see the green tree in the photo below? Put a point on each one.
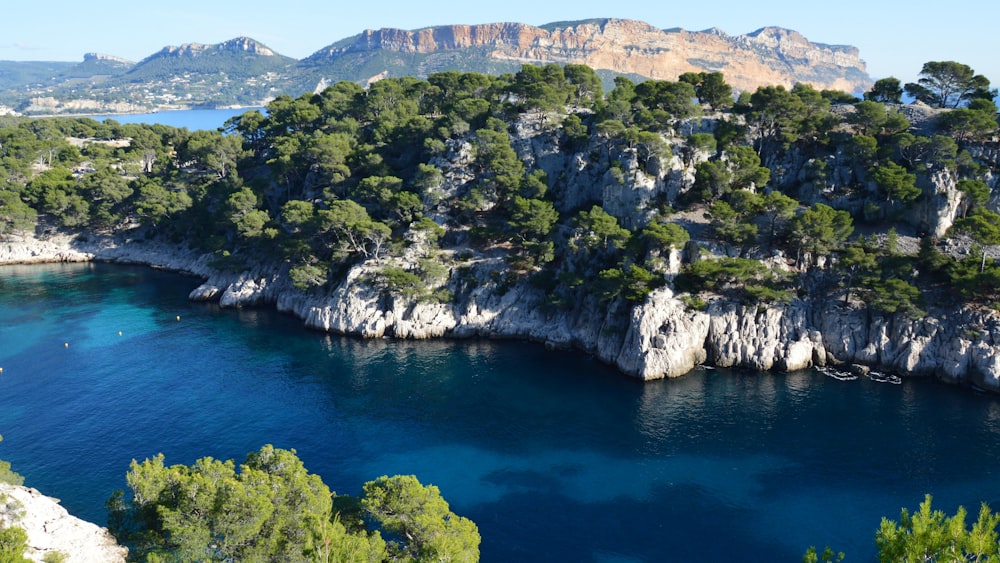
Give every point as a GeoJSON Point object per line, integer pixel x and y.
{"type": "Point", "coordinates": [977, 194]}
{"type": "Point", "coordinates": [212, 151]}
{"type": "Point", "coordinates": [659, 234]}
{"type": "Point", "coordinates": [886, 91]}
{"type": "Point", "coordinates": [532, 219]}
{"type": "Point", "coordinates": [821, 228]}
{"type": "Point", "coordinates": [828, 555]}
{"type": "Point", "coordinates": [774, 117]}
{"type": "Point", "coordinates": [587, 86]}
{"type": "Point", "coordinates": [966, 124]}
{"type": "Point", "coordinates": [598, 231]}
{"type": "Point", "coordinates": [946, 84]}
{"type": "Point", "coordinates": [892, 295]}
{"type": "Point", "coordinates": [855, 262]}
{"type": "Point", "coordinates": [422, 520]}
{"type": "Point", "coordinates": [712, 179]}
{"type": "Point", "coordinates": [352, 227]}
{"type": "Point", "coordinates": [13, 544]}
{"type": "Point", "coordinates": [730, 225]}
{"type": "Point", "coordinates": [16, 216]}
{"type": "Point", "coordinates": [896, 183]}
{"type": "Point", "coordinates": [983, 225]}
{"type": "Point", "coordinates": [777, 209]}
{"type": "Point", "coordinates": [712, 89]}
{"type": "Point", "coordinates": [502, 169]}
{"type": "Point", "coordinates": [931, 535]}
{"type": "Point", "coordinates": [269, 509]}
{"type": "Point", "coordinates": [747, 172]}
{"type": "Point", "coordinates": [869, 117]}
{"type": "Point", "coordinates": [272, 509]}
{"type": "Point", "coordinates": [155, 203]}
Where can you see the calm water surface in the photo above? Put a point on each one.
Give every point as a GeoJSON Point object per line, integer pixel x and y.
{"type": "Point", "coordinates": [554, 455]}
{"type": "Point", "coordinates": [193, 119]}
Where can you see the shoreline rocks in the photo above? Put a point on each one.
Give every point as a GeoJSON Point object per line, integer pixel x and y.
{"type": "Point", "coordinates": [658, 338]}
{"type": "Point", "coordinates": [52, 529]}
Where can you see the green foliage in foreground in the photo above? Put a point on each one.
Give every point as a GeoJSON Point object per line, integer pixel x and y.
{"type": "Point", "coordinates": [13, 542]}
{"type": "Point", "coordinates": [273, 509]}
{"type": "Point", "coordinates": [930, 535]}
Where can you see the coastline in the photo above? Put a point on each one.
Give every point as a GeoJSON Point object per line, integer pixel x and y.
{"type": "Point", "coordinates": [52, 530]}
{"type": "Point", "coordinates": [660, 338]}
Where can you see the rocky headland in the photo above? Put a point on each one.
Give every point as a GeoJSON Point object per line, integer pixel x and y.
{"type": "Point", "coordinates": [662, 336]}
{"type": "Point", "coordinates": [52, 530]}
{"type": "Point", "coordinates": [659, 337]}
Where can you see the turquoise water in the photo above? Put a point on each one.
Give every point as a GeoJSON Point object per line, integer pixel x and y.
{"type": "Point", "coordinates": [554, 455]}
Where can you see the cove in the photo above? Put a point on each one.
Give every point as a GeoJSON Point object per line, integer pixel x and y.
{"type": "Point", "coordinates": [554, 455]}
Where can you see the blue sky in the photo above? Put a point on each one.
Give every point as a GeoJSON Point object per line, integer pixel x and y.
{"type": "Point", "coordinates": [895, 38]}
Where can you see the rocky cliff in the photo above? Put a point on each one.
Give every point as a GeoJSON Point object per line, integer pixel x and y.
{"type": "Point", "coordinates": [660, 337]}
{"type": "Point", "coordinates": [767, 56]}
{"type": "Point", "coordinates": [52, 530]}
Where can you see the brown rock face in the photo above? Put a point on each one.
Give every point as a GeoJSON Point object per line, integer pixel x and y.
{"type": "Point", "coordinates": [768, 56]}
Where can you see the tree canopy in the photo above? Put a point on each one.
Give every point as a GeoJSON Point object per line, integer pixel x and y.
{"type": "Point", "coordinates": [271, 508]}
{"type": "Point", "coordinates": [947, 84]}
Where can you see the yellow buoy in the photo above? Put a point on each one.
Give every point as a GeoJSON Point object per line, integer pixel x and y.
{"type": "Point", "coordinates": [65, 344]}
{"type": "Point", "coordinates": [1, 370]}
{"type": "Point", "coordinates": [178, 317]}
{"type": "Point", "coordinates": [119, 333]}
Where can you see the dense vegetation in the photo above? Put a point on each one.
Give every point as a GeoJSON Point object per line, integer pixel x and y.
{"type": "Point", "coordinates": [442, 169]}
{"type": "Point", "coordinates": [273, 509]}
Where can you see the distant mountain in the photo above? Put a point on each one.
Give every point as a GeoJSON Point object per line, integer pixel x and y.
{"type": "Point", "coordinates": [15, 74]}
{"type": "Point", "coordinates": [96, 65]}
{"type": "Point", "coordinates": [243, 71]}
{"type": "Point", "coordinates": [767, 56]}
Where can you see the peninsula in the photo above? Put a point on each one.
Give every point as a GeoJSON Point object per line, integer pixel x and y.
{"type": "Point", "coordinates": [659, 226]}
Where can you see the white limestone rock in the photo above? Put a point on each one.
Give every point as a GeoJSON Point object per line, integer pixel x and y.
{"type": "Point", "coordinates": [52, 529]}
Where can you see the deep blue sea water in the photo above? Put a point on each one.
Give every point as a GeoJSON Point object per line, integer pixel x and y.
{"type": "Point", "coordinates": [555, 456]}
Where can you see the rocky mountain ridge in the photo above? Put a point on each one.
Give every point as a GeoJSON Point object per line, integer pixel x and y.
{"type": "Point", "coordinates": [243, 71]}
{"type": "Point", "coordinates": [769, 55]}
{"type": "Point", "coordinates": [239, 44]}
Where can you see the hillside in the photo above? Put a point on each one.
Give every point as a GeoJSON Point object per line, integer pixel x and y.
{"type": "Point", "coordinates": [658, 226]}
{"type": "Point", "coordinates": [245, 72]}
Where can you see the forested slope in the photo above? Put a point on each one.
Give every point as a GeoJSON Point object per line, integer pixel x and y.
{"type": "Point", "coordinates": [660, 225]}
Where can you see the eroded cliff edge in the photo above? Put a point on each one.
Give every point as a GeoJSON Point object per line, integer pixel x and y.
{"type": "Point", "coordinates": [51, 529]}
{"type": "Point", "coordinates": [661, 337]}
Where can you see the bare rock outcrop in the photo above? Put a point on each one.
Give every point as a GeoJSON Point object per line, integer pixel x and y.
{"type": "Point", "coordinates": [52, 529]}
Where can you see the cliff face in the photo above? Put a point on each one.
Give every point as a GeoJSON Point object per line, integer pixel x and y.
{"type": "Point", "coordinates": [768, 56]}
{"type": "Point", "coordinates": [660, 337]}
{"type": "Point", "coordinates": [51, 529]}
